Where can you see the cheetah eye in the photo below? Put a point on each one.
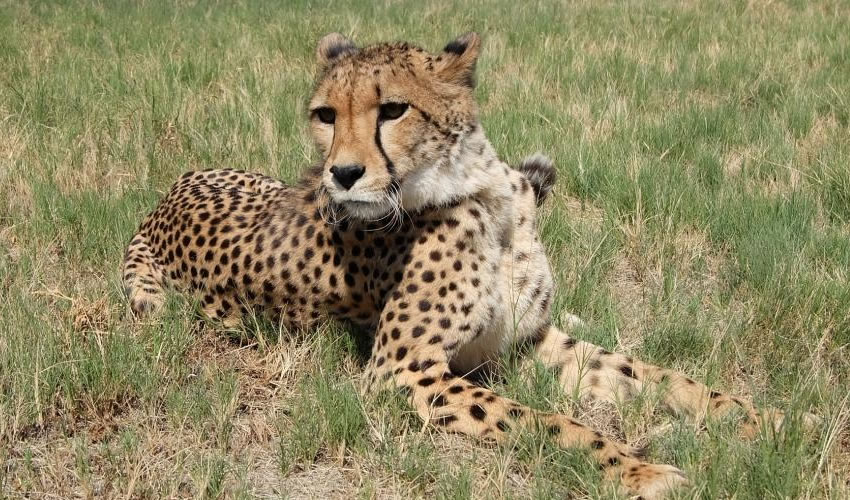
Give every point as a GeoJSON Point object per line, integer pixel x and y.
{"type": "Point", "coordinates": [391, 110]}
{"type": "Point", "coordinates": [325, 115]}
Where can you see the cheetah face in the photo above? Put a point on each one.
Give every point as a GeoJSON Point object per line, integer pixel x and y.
{"type": "Point", "coordinates": [388, 120]}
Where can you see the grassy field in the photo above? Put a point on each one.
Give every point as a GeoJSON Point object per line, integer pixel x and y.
{"type": "Point", "coordinates": [701, 221]}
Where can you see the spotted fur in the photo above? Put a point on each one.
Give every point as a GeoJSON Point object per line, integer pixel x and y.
{"type": "Point", "coordinates": [412, 227]}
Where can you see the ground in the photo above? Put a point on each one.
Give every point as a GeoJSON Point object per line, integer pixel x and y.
{"type": "Point", "coordinates": [701, 221]}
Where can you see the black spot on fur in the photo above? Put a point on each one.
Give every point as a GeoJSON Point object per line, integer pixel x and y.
{"type": "Point", "coordinates": [444, 420]}
{"type": "Point", "coordinates": [436, 400]}
{"type": "Point", "coordinates": [478, 412]}
{"type": "Point", "coordinates": [627, 371]}
{"type": "Point", "coordinates": [425, 382]}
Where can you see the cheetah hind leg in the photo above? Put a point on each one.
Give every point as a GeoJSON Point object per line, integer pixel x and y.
{"type": "Point", "coordinates": [143, 279]}
{"type": "Point", "coordinates": [596, 373]}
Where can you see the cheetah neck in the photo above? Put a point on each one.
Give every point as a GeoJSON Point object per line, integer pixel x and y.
{"type": "Point", "coordinates": [471, 169]}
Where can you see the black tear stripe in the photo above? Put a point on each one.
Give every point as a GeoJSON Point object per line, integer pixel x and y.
{"type": "Point", "coordinates": [390, 164]}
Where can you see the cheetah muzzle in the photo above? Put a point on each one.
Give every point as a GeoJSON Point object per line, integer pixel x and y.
{"type": "Point", "coordinates": [411, 226]}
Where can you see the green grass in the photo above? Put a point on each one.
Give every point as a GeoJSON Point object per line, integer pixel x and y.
{"type": "Point", "coordinates": [701, 221]}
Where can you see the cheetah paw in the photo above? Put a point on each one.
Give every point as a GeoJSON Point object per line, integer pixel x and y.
{"type": "Point", "coordinates": [651, 481]}
{"type": "Point", "coordinates": [774, 419]}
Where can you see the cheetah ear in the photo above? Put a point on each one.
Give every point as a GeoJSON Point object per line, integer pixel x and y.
{"type": "Point", "coordinates": [457, 62]}
{"type": "Point", "coordinates": [332, 46]}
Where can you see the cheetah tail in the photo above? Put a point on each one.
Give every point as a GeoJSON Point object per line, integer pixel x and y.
{"type": "Point", "coordinates": [143, 278]}
{"type": "Point", "coordinates": [540, 171]}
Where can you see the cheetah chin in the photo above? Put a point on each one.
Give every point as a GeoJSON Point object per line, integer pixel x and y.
{"type": "Point", "coordinates": [386, 209]}
{"type": "Point", "coordinates": [411, 226]}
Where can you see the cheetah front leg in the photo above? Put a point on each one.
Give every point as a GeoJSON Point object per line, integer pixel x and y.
{"type": "Point", "coordinates": [593, 372]}
{"type": "Point", "coordinates": [412, 351]}
{"type": "Point", "coordinates": [222, 306]}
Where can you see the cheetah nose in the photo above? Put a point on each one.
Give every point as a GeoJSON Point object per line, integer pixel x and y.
{"type": "Point", "coordinates": [347, 175]}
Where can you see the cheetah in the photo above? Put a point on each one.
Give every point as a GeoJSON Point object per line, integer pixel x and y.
{"type": "Point", "coordinates": [411, 227]}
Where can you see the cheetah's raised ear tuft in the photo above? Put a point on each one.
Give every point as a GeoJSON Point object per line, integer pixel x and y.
{"type": "Point", "coordinates": [332, 46]}
{"type": "Point", "coordinates": [457, 62]}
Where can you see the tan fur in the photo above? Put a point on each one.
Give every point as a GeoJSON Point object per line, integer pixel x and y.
{"type": "Point", "coordinates": [435, 248]}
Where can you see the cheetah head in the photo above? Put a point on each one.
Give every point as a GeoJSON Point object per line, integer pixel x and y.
{"type": "Point", "coordinates": [395, 125]}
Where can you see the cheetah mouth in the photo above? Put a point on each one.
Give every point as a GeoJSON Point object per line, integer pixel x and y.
{"type": "Point", "coordinates": [368, 210]}
{"type": "Point", "coordinates": [359, 203]}
{"type": "Point", "coordinates": [367, 206]}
